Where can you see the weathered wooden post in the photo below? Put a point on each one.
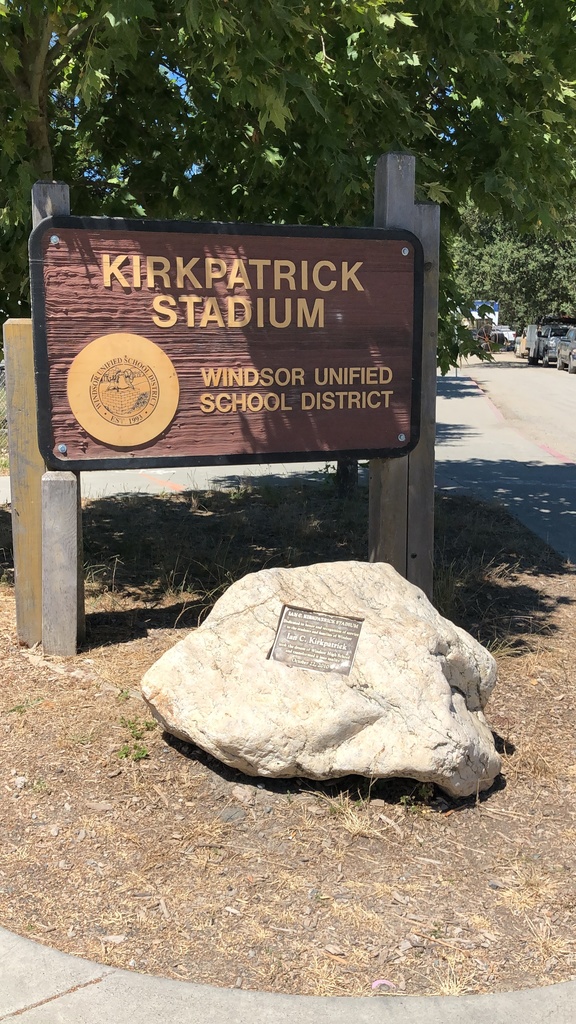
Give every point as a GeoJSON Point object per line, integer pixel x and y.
{"type": "Point", "coordinates": [63, 617]}
{"type": "Point", "coordinates": [26, 469]}
{"type": "Point", "coordinates": [401, 516]}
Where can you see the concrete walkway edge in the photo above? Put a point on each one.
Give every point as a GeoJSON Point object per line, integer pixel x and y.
{"type": "Point", "coordinates": [39, 985]}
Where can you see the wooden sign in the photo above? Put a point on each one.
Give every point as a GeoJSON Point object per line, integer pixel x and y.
{"type": "Point", "coordinates": [174, 343]}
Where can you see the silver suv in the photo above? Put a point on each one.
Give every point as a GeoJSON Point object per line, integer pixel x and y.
{"type": "Point", "coordinates": [550, 337]}
{"type": "Point", "coordinates": [566, 352]}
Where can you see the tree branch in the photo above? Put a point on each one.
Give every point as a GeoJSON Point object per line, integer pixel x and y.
{"type": "Point", "coordinates": [59, 56]}
{"type": "Point", "coordinates": [38, 65]}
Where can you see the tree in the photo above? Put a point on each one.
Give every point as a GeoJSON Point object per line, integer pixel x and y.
{"type": "Point", "coordinates": [531, 275]}
{"type": "Point", "coordinates": [208, 109]}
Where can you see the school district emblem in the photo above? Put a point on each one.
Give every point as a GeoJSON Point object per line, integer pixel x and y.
{"type": "Point", "coordinates": [123, 389]}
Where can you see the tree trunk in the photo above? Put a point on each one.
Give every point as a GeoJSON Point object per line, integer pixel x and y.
{"type": "Point", "coordinates": [40, 146]}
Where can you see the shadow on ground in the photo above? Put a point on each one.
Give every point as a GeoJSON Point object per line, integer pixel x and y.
{"type": "Point", "coordinates": [162, 561]}
{"type": "Point", "coordinates": [408, 793]}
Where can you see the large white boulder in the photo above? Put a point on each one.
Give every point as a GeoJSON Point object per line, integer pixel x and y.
{"type": "Point", "coordinates": [411, 705]}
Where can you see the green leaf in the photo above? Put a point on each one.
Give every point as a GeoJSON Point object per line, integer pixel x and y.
{"type": "Point", "coordinates": [553, 117]}
{"type": "Point", "coordinates": [10, 59]}
{"type": "Point", "coordinates": [437, 192]}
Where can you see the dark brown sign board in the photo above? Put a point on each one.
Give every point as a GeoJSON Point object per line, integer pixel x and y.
{"type": "Point", "coordinates": [185, 343]}
{"type": "Point", "coordinates": [316, 640]}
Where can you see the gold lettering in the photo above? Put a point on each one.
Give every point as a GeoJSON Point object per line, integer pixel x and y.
{"type": "Point", "coordinates": [211, 314]}
{"type": "Point", "coordinates": [260, 264]}
{"type": "Point", "coordinates": [157, 266]}
{"type": "Point", "coordinates": [110, 270]}
{"type": "Point", "coordinates": [136, 272]}
{"type": "Point", "coordinates": [219, 400]}
{"type": "Point", "coordinates": [206, 403]}
{"type": "Point", "coordinates": [215, 269]}
{"type": "Point", "coordinates": [287, 313]}
{"type": "Point", "coordinates": [316, 275]}
{"type": "Point", "coordinates": [238, 273]}
{"type": "Point", "coordinates": [255, 402]}
{"type": "Point", "coordinates": [245, 304]}
{"type": "Point", "coordinates": [159, 304]}
{"type": "Point", "coordinates": [349, 274]}
{"type": "Point", "coordinates": [345, 399]}
{"type": "Point", "coordinates": [184, 272]}
{"type": "Point", "coordinates": [212, 377]}
{"type": "Point", "coordinates": [304, 313]}
{"type": "Point", "coordinates": [190, 301]}
{"type": "Point", "coordinates": [284, 270]}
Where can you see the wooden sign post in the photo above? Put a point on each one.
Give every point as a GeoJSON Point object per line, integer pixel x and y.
{"type": "Point", "coordinates": [26, 469]}
{"type": "Point", "coordinates": [63, 616]}
{"type": "Point", "coordinates": [46, 533]}
{"type": "Point", "coordinates": [401, 517]}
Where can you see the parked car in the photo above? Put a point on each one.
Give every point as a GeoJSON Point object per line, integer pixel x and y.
{"type": "Point", "coordinates": [566, 351]}
{"type": "Point", "coordinates": [521, 344]}
{"type": "Point", "coordinates": [544, 346]}
{"type": "Point", "coordinates": [503, 335]}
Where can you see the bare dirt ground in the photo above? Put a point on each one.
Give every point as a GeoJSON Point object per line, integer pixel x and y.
{"type": "Point", "coordinates": [122, 845]}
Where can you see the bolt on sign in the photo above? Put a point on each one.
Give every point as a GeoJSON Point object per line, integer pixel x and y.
{"type": "Point", "coordinates": [174, 343]}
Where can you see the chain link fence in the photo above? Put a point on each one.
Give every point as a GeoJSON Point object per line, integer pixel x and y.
{"type": "Point", "coordinates": [3, 420]}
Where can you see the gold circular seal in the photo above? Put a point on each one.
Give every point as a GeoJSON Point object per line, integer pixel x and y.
{"type": "Point", "coordinates": [123, 389]}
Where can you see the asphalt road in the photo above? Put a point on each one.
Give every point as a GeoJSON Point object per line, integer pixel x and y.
{"type": "Point", "coordinates": [506, 432]}
{"type": "Point", "coordinates": [537, 401]}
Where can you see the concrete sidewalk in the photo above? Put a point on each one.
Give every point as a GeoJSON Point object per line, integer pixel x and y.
{"type": "Point", "coordinates": [41, 986]}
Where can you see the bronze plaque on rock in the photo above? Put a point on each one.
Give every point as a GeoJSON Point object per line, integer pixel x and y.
{"type": "Point", "coordinates": [316, 640]}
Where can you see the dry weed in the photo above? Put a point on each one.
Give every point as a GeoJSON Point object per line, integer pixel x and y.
{"type": "Point", "coordinates": [530, 887]}
{"type": "Point", "coordinates": [353, 817]}
{"type": "Point", "coordinates": [453, 976]}
{"type": "Point", "coordinates": [545, 943]}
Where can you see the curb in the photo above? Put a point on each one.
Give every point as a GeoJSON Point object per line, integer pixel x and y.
{"type": "Point", "coordinates": [40, 985]}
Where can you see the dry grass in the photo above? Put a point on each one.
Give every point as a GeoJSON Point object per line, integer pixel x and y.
{"type": "Point", "coordinates": [124, 846]}
{"type": "Point", "coordinates": [530, 886]}
{"type": "Point", "coordinates": [454, 977]}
